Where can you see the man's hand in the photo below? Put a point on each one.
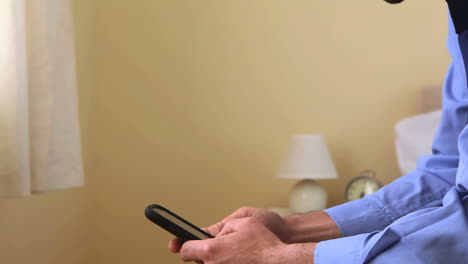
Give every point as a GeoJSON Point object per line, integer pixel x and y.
{"type": "Point", "coordinates": [312, 227]}
{"type": "Point", "coordinates": [271, 220]}
{"type": "Point", "coordinates": [247, 241]}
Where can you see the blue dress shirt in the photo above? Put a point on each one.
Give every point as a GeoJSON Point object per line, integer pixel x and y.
{"type": "Point", "coordinates": [423, 216]}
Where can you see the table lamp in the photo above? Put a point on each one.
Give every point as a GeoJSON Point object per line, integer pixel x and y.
{"type": "Point", "coordinates": [307, 158]}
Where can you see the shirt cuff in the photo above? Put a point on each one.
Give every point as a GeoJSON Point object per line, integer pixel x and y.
{"type": "Point", "coordinates": [359, 217]}
{"type": "Point", "coordinates": [342, 250]}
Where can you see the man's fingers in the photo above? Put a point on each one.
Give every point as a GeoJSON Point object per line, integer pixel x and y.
{"type": "Point", "coordinates": [239, 213]}
{"type": "Point", "coordinates": [235, 225]}
{"type": "Point", "coordinates": [197, 250]}
{"type": "Point", "coordinates": [214, 229]}
{"type": "Point", "coordinates": [174, 245]}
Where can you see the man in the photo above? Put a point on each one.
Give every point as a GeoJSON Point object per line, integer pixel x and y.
{"type": "Point", "coordinates": [420, 218]}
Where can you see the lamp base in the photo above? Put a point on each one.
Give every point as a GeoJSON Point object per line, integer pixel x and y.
{"type": "Point", "coordinates": [306, 196]}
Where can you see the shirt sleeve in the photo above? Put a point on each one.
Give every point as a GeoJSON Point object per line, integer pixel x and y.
{"type": "Point", "coordinates": [431, 235]}
{"type": "Point", "coordinates": [435, 174]}
{"type": "Point", "coordinates": [436, 233]}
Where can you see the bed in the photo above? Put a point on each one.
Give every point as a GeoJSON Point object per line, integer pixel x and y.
{"type": "Point", "coordinates": [414, 134]}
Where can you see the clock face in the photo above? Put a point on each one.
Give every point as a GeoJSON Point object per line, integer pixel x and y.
{"type": "Point", "coordinates": [361, 186]}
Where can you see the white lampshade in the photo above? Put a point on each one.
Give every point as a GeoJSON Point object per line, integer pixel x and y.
{"type": "Point", "coordinates": [307, 157]}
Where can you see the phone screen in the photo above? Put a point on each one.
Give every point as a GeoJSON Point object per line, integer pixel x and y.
{"type": "Point", "coordinates": [181, 224]}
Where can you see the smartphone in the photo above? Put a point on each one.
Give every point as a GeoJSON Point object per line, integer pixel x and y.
{"type": "Point", "coordinates": [175, 224]}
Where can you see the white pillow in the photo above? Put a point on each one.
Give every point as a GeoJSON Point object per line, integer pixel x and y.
{"type": "Point", "coordinates": [414, 137]}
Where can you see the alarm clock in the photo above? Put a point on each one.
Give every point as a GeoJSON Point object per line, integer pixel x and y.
{"type": "Point", "coordinates": [362, 185]}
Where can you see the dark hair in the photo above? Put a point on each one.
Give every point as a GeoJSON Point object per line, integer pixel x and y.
{"type": "Point", "coordinates": [394, 1]}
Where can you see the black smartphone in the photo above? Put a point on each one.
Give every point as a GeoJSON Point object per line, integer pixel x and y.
{"type": "Point", "coordinates": [175, 224]}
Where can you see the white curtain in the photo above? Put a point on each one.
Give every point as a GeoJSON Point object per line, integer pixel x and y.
{"type": "Point", "coordinates": [39, 128]}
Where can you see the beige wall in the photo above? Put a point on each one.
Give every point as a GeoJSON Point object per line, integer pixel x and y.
{"type": "Point", "coordinates": [45, 229]}
{"type": "Point", "coordinates": [191, 104]}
